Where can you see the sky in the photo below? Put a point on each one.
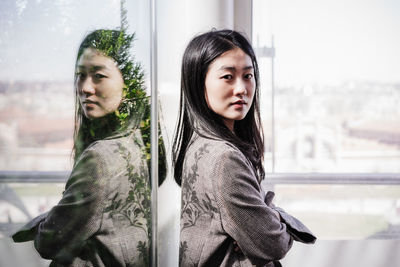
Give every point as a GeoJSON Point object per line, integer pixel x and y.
{"type": "Point", "coordinates": [332, 40]}
{"type": "Point", "coordinates": [39, 38]}
{"type": "Point", "coordinates": [316, 41]}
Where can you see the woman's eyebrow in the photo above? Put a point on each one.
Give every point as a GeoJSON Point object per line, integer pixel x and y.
{"type": "Point", "coordinates": [93, 68]}
{"type": "Point", "coordinates": [231, 68]}
{"type": "Point", "coordinates": [98, 67]}
{"type": "Point", "coordinates": [248, 68]}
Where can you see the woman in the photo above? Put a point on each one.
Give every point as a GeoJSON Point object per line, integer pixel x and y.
{"type": "Point", "coordinates": [103, 218]}
{"type": "Point", "coordinates": [226, 218]}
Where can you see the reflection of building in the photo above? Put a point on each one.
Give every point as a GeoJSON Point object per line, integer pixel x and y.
{"type": "Point", "coordinates": [309, 146]}
{"type": "Point", "coordinates": [353, 127]}
{"type": "Point", "coordinates": [36, 122]}
{"type": "Point", "coordinates": [382, 131]}
{"type": "Point", "coordinates": [8, 144]}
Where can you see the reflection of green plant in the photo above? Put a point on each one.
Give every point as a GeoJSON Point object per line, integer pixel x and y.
{"type": "Point", "coordinates": [134, 110]}
{"type": "Point", "coordinates": [116, 44]}
{"type": "Point", "coordinates": [133, 114]}
{"type": "Point", "coordinates": [145, 130]}
{"type": "Point", "coordinates": [143, 252]}
{"type": "Point", "coordinates": [136, 207]}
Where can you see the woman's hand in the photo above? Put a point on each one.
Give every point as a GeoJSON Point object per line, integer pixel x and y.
{"type": "Point", "coordinates": [236, 247]}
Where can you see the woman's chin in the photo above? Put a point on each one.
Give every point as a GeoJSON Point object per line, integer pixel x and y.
{"type": "Point", "coordinates": [94, 115]}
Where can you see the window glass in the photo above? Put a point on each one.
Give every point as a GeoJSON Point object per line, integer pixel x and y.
{"type": "Point", "coordinates": [336, 84]}
{"type": "Point", "coordinates": [39, 41]}
{"type": "Point", "coordinates": [330, 93]}
{"type": "Point", "coordinates": [340, 212]}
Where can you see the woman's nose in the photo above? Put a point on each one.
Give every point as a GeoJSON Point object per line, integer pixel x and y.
{"type": "Point", "coordinates": [87, 86]}
{"type": "Point", "coordinates": [240, 88]}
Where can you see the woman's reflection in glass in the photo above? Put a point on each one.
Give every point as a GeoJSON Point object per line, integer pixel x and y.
{"type": "Point", "coordinates": [104, 216]}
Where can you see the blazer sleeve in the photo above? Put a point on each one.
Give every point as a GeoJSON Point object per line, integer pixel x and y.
{"type": "Point", "coordinates": [256, 227]}
{"type": "Point", "coordinates": [68, 225]}
{"type": "Point", "coordinates": [29, 230]}
{"type": "Point", "coordinates": [296, 228]}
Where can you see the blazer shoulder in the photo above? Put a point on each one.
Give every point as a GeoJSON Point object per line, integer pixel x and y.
{"type": "Point", "coordinates": [216, 147]}
{"type": "Point", "coordinates": [112, 151]}
{"type": "Point", "coordinates": [110, 146]}
{"type": "Point", "coordinates": [212, 156]}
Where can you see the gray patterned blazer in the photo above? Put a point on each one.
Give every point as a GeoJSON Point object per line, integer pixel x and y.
{"type": "Point", "coordinates": [103, 216]}
{"type": "Point", "coordinates": [225, 218]}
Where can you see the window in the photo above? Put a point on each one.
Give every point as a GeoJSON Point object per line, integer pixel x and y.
{"type": "Point", "coordinates": [330, 94]}
{"type": "Point", "coordinates": [39, 41]}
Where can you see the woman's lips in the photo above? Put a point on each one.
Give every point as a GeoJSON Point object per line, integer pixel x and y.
{"type": "Point", "coordinates": [90, 103]}
{"type": "Point", "coordinates": [238, 103]}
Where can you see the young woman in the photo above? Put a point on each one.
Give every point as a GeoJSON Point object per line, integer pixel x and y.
{"type": "Point", "coordinates": [226, 218]}
{"type": "Point", "coordinates": [103, 218]}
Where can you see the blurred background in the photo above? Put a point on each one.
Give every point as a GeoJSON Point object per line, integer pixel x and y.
{"type": "Point", "coordinates": [330, 96]}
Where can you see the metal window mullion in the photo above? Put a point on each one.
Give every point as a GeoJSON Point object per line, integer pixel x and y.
{"type": "Point", "coordinates": [273, 103]}
{"type": "Point", "coordinates": [271, 178]}
{"type": "Point", "coordinates": [334, 178]}
{"type": "Point", "coordinates": [154, 132]}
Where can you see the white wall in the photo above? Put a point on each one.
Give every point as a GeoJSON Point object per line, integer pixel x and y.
{"type": "Point", "coordinates": [178, 22]}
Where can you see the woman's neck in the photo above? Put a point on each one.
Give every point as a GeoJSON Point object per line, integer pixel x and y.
{"type": "Point", "coordinates": [230, 124]}
{"type": "Point", "coordinates": [103, 127]}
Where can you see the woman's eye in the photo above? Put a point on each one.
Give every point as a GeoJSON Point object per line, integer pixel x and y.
{"type": "Point", "coordinates": [99, 76]}
{"type": "Point", "coordinates": [227, 77]}
{"type": "Point", "coordinates": [248, 76]}
{"type": "Point", "coordinates": [80, 75]}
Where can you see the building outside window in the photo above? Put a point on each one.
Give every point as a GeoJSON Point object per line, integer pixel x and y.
{"type": "Point", "coordinates": [331, 92]}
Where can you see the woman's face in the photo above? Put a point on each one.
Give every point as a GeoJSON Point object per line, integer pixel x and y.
{"type": "Point", "coordinates": [99, 84]}
{"type": "Point", "coordinates": [230, 86]}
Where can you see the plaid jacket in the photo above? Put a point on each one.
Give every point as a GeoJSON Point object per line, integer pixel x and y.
{"type": "Point", "coordinates": [225, 218]}
{"type": "Point", "coordinates": [103, 216]}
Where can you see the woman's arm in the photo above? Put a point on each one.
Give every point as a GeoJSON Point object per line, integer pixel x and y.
{"type": "Point", "coordinates": [296, 228]}
{"type": "Point", "coordinates": [256, 228]}
{"type": "Point", "coordinates": [77, 216]}
{"type": "Point", "coordinates": [29, 230]}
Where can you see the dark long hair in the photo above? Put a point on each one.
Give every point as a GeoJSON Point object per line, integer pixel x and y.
{"type": "Point", "coordinates": [196, 116]}
{"type": "Point", "coordinates": [134, 110]}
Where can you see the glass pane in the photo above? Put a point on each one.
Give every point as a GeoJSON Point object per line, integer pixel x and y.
{"type": "Point", "coordinates": [331, 90]}
{"type": "Point", "coordinates": [344, 212]}
{"type": "Point", "coordinates": [39, 41]}
{"type": "Point", "coordinates": [337, 87]}
{"type": "Point", "coordinates": [26, 201]}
